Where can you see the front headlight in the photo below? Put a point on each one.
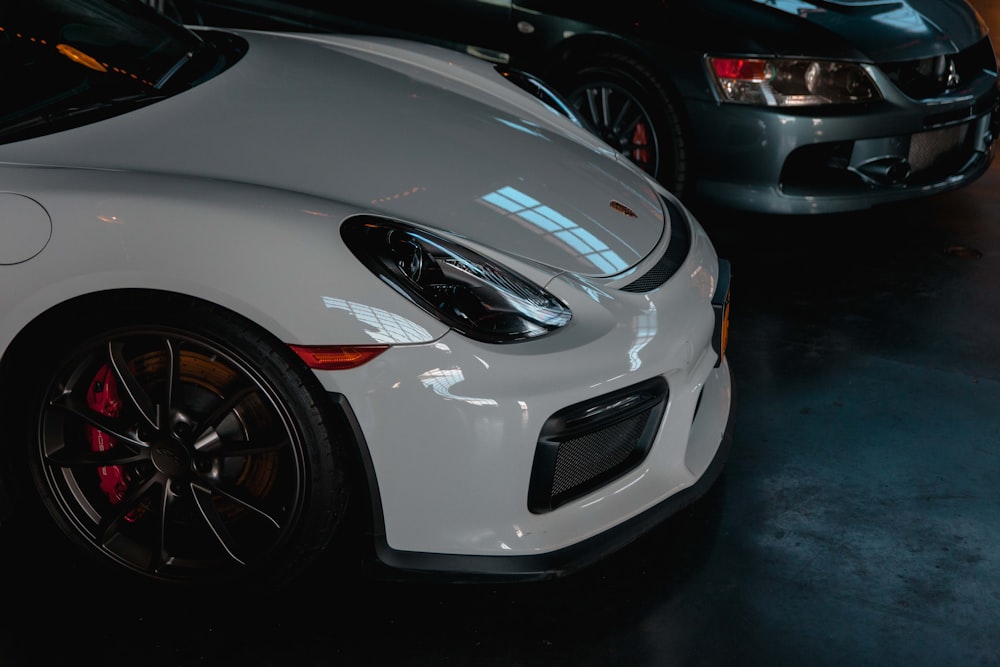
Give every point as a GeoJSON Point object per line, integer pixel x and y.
{"type": "Point", "coordinates": [785, 82]}
{"type": "Point", "coordinates": [470, 293]}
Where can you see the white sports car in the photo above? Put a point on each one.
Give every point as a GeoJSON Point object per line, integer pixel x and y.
{"type": "Point", "coordinates": [250, 277]}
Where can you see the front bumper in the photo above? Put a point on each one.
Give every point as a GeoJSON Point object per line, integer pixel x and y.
{"type": "Point", "coordinates": [402, 564]}
{"type": "Point", "coordinates": [768, 161]}
{"type": "Point", "coordinates": [528, 461]}
{"type": "Point", "coordinates": [408, 565]}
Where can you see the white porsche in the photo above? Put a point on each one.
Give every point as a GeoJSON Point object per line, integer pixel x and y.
{"type": "Point", "coordinates": [254, 282]}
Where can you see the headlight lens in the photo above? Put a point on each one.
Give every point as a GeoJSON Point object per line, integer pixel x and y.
{"type": "Point", "coordinates": [470, 293]}
{"type": "Point", "coordinates": [785, 82]}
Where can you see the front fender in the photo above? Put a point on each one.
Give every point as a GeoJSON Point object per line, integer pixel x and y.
{"type": "Point", "coordinates": [271, 256]}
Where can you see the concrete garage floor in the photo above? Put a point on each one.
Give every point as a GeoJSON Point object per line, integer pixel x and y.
{"type": "Point", "coordinates": [858, 522]}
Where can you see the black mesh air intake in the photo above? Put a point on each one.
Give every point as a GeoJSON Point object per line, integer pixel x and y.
{"type": "Point", "coordinates": [588, 444]}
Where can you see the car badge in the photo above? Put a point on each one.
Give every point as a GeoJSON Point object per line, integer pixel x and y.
{"type": "Point", "coordinates": [623, 209]}
{"type": "Point", "coordinates": [953, 78]}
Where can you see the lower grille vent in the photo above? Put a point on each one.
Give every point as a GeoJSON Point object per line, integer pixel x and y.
{"type": "Point", "coordinates": [587, 445]}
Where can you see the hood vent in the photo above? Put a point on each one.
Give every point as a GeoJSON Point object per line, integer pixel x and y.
{"type": "Point", "coordinates": [672, 258]}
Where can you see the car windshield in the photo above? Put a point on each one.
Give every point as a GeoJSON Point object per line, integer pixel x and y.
{"type": "Point", "coordinates": [67, 62]}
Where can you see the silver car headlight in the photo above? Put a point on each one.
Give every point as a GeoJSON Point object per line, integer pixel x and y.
{"type": "Point", "coordinates": [474, 295]}
{"type": "Point", "coordinates": [778, 82]}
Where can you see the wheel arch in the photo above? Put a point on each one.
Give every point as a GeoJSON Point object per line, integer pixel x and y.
{"type": "Point", "coordinates": [575, 50]}
{"type": "Point", "coordinates": [41, 330]}
{"type": "Point", "coordinates": [37, 330]}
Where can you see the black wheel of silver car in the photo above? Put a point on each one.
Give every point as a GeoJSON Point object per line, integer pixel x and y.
{"type": "Point", "coordinates": [181, 443]}
{"type": "Point", "coordinates": [625, 104]}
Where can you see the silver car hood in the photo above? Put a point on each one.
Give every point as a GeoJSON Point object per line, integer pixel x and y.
{"type": "Point", "coordinates": [415, 133]}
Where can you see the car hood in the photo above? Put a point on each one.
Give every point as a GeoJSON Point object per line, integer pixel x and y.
{"type": "Point", "coordinates": [390, 128]}
{"type": "Point", "coordinates": [865, 30]}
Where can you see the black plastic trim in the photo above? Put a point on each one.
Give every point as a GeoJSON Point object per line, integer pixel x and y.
{"type": "Point", "coordinates": [577, 421]}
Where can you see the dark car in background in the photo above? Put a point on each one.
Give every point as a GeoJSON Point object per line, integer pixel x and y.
{"type": "Point", "coordinates": [775, 106]}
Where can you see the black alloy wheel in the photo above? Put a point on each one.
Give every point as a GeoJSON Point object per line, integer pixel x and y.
{"type": "Point", "coordinates": [180, 443]}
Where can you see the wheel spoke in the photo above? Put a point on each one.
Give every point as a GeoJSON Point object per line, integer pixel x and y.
{"type": "Point", "coordinates": [136, 393]}
{"type": "Point", "coordinates": [158, 550]}
{"type": "Point", "coordinates": [593, 113]}
{"type": "Point", "coordinates": [606, 107]}
{"type": "Point", "coordinates": [64, 458]}
{"type": "Point", "coordinates": [117, 428]}
{"type": "Point", "coordinates": [206, 491]}
{"type": "Point", "coordinates": [173, 372]}
{"type": "Point", "coordinates": [203, 497]}
{"type": "Point", "coordinates": [249, 447]}
{"type": "Point", "coordinates": [208, 438]}
{"type": "Point", "coordinates": [108, 526]}
{"type": "Point", "coordinates": [212, 443]}
{"type": "Point", "coordinates": [621, 129]}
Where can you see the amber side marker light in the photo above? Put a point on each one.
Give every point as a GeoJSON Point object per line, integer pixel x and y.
{"type": "Point", "coordinates": [720, 304]}
{"type": "Point", "coordinates": [337, 357]}
{"type": "Point", "coordinates": [724, 334]}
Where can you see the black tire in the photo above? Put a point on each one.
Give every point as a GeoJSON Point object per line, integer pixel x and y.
{"type": "Point", "coordinates": [180, 444]}
{"type": "Point", "coordinates": [625, 104]}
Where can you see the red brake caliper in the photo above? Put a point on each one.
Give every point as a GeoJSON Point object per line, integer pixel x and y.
{"type": "Point", "coordinates": [640, 137]}
{"type": "Point", "coordinates": [102, 397]}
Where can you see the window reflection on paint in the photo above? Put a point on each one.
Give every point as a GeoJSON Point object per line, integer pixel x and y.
{"type": "Point", "coordinates": [645, 329]}
{"type": "Point", "coordinates": [522, 128]}
{"type": "Point", "coordinates": [441, 380]}
{"type": "Point", "coordinates": [386, 327]}
{"type": "Point", "coordinates": [553, 223]}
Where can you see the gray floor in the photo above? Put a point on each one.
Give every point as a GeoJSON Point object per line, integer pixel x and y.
{"type": "Point", "coordinates": [858, 522]}
{"type": "Point", "coordinates": [861, 518]}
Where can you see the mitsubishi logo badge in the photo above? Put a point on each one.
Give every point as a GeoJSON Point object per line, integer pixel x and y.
{"type": "Point", "coordinates": [953, 78]}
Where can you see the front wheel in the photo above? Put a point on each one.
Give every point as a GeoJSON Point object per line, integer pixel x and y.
{"type": "Point", "coordinates": [175, 441]}
{"type": "Point", "coordinates": [625, 104]}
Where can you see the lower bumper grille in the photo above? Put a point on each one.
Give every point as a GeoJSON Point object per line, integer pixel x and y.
{"type": "Point", "coordinates": [586, 445]}
{"type": "Point", "coordinates": [939, 152]}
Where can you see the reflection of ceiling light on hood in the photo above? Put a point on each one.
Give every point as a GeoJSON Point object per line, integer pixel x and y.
{"type": "Point", "coordinates": [78, 56]}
